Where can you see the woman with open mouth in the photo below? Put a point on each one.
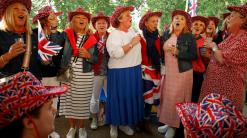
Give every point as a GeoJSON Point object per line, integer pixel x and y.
{"type": "Point", "coordinates": [151, 64]}
{"type": "Point", "coordinates": [179, 51]}
{"type": "Point", "coordinates": [49, 22]}
{"type": "Point", "coordinates": [199, 24]}
{"type": "Point", "coordinates": [125, 97]}
{"type": "Point", "coordinates": [101, 23]}
{"type": "Point", "coordinates": [228, 64]}
{"type": "Point", "coordinates": [15, 28]}
{"type": "Point", "coordinates": [210, 34]}
{"type": "Point", "coordinates": [80, 52]}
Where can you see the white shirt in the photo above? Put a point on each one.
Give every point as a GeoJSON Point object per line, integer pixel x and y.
{"type": "Point", "coordinates": [116, 40]}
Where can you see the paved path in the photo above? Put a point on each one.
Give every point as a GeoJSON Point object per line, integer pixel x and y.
{"type": "Point", "coordinates": [62, 128]}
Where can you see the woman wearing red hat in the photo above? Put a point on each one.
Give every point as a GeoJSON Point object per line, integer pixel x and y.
{"type": "Point", "coordinates": [179, 50]}
{"type": "Point", "coordinates": [199, 24]}
{"type": "Point", "coordinates": [125, 98]}
{"type": "Point", "coordinates": [14, 31]}
{"type": "Point", "coordinates": [210, 35]}
{"type": "Point", "coordinates": [49, 23]}
{"type": "Point", "coordinates": [211, 28]}
{"type": "Point", "coordinates": [227, 67]}
{"type": "Point", "coordinates": [151, 63]}
{"type": "Point", "coordinates": [80, 53]}
{"type": "Point", "coordinates": [101, 23]}
{"type": "Point", "coordinates": [26, 107]}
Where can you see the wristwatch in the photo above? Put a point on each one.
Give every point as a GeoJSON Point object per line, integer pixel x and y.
{"type": "Point", "coordinates": [215, 48]}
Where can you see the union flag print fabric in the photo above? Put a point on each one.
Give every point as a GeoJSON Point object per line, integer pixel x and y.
{"type": "Point", "coordinates": [23, 93]}
{"type": "Point", "coordinates": [214, 117]}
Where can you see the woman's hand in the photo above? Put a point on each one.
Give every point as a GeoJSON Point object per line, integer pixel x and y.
{"type": "Point", "coordinates": [135, 40]}
{"type": "Point", "coordinates": [209, 44]}
{"type": "Point", "coordinates": [172, 49]}
{"type": "Point", "coordinates": [83, 53]}
{"type": "Point", "coordinates": [16, 49]}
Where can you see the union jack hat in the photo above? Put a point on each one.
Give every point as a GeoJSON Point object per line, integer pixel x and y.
{"type": "Point", "coordinates": [146, 16]}
{"type": "Point", "coordinates": [214, 117]}
{"type": "Point", "coordinates": [44, 12]}
{"type": "Point", "coordinates": [23, 93]}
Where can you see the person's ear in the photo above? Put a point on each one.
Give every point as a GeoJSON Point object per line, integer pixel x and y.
{"type": "Point", "coordinates": [27, 123]}
{"type": "Point", "coordinates": [146, 23]}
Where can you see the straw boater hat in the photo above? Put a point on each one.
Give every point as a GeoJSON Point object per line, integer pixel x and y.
{"type": "Point", "coordinates": [200, 18]}
{"type": "Point", "coordinates": [117, 13]}
{"type": "Point", "coordinates": [241, 9]}
{"type": "Point", "coordinates": [146, 16]}
{"type": "Point", "coordinates": [22, 94]}
{"type": "Point", "coordinates": [44, 12]}
{"type": "Point", "coordinates": [79, 11]}
{"type": "Point", "coordinates": [5, 3]}
{"type": "Point", "coordinates": [183, 13]}
{"type": "Point", "coordinates": [214, 19]}
{"type": "Point", "coordinates": [214, 117]}
{"type": "Point", "coordinates": [100, 15]}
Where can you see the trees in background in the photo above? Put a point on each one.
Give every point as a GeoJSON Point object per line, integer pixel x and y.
{"type": "Point", "coordinates": [204, 8]}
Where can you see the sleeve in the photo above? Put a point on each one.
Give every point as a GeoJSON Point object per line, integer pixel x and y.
{"type": "Point", "coordinates": [237, 54]}
{"type": "Point", "coordinates": [114, 46]}
{"type": "Point", "coordinates": [58, 38]}
{"type": "Point", "coordinates": [190, 53]}
{"type": "Point", "coordinates": [94, 54]}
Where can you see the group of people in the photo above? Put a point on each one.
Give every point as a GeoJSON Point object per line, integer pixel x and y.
{"type": "Point", "coordinates": [186, 63]}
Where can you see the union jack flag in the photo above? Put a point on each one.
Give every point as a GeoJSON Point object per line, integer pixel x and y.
{"type": "Point", "coordinates": [101, 45]}
{"type": "Point", "coordinates": [46, 48]}
{"type": "Point", "coordinates": [192, 7]}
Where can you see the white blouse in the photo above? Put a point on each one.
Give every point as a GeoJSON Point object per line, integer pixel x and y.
{"type": "Point", "coordinates": [116, 40]}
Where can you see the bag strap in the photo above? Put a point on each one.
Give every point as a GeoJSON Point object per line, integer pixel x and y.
{"type": "Point", "coordinates": [83, 40]}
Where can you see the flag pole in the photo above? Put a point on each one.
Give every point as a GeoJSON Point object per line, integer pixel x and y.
{"type": "Point", "coordinates": [186, 5]}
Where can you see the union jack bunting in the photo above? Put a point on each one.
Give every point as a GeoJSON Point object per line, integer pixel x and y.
{"type": "Point", "coordinates": [192, 7]}
{"type": "Point", "coordinates": [46, 48]}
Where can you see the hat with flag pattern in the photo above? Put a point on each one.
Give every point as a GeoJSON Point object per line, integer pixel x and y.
{"type": "Point", "coordinates": [214, 117]}
{"type": "Point", "coordinates": [23, 93]}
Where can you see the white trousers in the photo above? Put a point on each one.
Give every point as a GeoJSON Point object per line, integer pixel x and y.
{"type": "Point", "coordinates": [99, 83]}
{"type": "Point", "coordinates": [51, 81]}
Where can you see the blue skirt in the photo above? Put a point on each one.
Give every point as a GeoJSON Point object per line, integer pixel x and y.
{"type": "Point", "coordinates": [125, 103]}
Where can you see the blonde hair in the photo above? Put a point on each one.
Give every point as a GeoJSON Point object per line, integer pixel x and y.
{"type": "Point", "coordinates": [86, 29]}
{"type": "Point", "coordinates": [8, 22]}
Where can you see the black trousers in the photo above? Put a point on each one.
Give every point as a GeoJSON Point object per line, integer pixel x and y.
{"type": "Point", "coordinates": [197, 84]}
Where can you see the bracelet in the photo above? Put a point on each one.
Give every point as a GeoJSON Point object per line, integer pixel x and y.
{"type": "Point", "coordinates": [2, 60]}
{"type": "Point", "coordinates": [215, 48]}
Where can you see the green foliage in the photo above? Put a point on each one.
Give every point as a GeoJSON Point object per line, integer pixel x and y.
{"type": "Point", "coordinates": [205, 7]}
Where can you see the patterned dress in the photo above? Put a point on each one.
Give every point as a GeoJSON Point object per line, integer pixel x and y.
{"type": "Point", "coordinates": [75, 103]}
{"type": "Point", "coordinates": [175, 88]}
{"type": "Point", "coordinates": [228, 78]}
